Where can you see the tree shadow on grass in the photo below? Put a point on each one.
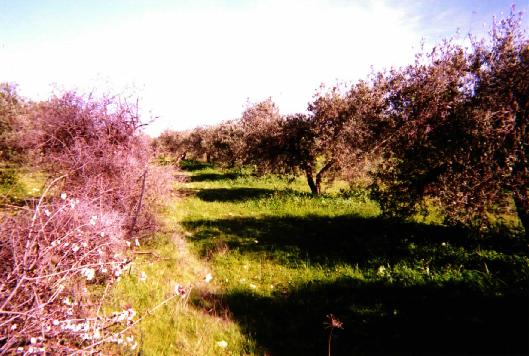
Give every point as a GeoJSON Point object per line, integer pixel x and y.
{"type": "Point", "coordinates": [353, 240]}
{"type": "Point", "coordinates": [214, 177]}
{"type": "Point", "coordinates": [233, 194]}
{"type": "Point", "coordinates": [193, 165]}
{"type": "Point", "coordinates": [383, 318]}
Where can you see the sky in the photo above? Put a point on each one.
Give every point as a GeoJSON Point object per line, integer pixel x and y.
{"type": "Point", "coordinates": [194, 63]}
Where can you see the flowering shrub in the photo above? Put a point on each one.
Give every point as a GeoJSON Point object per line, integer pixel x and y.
{"type": "Point", "coordinates": [81, 230]}
{"type": "Point", "coordinates": [48, 257]}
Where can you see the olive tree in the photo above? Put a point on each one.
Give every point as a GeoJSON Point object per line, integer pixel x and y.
{"type": "Point", "coordinates": [224, 143]}
{"type": "Point", "coordinates": [312, 143]}
{"type": "Point", "coordinates": [454, 128]}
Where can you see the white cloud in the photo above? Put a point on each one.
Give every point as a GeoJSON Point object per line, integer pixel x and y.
{"type": "Point", "coordinates": [198, 66]}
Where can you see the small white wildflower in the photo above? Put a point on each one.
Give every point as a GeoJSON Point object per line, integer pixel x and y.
{"type": "Point", "coordinates": [253, 286]}
{"type": "Point", "coordinates": [443, 244]}
{"type": "Point", "coordinates": [42, 349]}
{"type": "Point", "coordinates": [143, 276]}
{"type": "Point", "coordinates": [89, 273]}
{"type": "Point", "coordinates": [47, 212]}
{"type": "Point", "coordinates": [128, 243]}
{"type": "Point", "coordinates": [131, 313]}
{"type": "Point", "coordinates": [84, 244]}
{"type": "Point", "coordinates": [72, 204]}
{"type": "Point", "coordinates": [66, 244]}
{"type": "Point", "coordinates": [33, 340]}
{"type": "Point", "coordinates": [256, 241]}
{"type": "Point", "coordinates": [102, 234]}
{"type": "Point", "coordinates": [134, 346]}
{"type": "Point", "coordinates": [208, 278]}
{"type": "Point", "coordinates": [20, 349]}
{"type": "Point", "coordinates": [56, 322]}
{"type": "Point", "coordinates": [67, 301]}
{"type": "Point", "coordinates": [63, 196]}
{"type": "Point", "coordinates": [31, 349]}
{"type": "Point", "coordinates": [93, 220]}
{"type": "Point", "coordinates": [104, 270]}
{"type": "Point", "coordinates": [180, 290]}
{"type": "Point", "coordinates": [14, 327]}
{"type": "Point", "coordinates": [129, 339]}
{"type": "Point", "coordinates": [137, 243]}
{"type": "Point", "coordinates": [75, 248]}
{"type": "Point", "coordinates": [222, 344]}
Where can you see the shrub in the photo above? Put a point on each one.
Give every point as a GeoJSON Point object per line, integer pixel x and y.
{"type": "Point", "coordinates": [102, 200]}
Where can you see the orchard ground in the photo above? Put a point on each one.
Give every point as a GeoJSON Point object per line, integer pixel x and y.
{"type": "Point", "coordinates": [283, 261]}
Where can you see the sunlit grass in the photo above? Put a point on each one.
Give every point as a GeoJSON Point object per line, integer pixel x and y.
{"type": "Point", "coordinates": [19, 183]}
{"type": "Point", "coordinates": [282, 260]}
{"type": "Point", "coordinates": [177, 328]}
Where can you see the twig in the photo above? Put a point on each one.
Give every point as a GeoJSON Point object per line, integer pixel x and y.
{"type": "Point", "coordinates": [102, 298]}
{"type": "Point", "coordinates": [138, 208]}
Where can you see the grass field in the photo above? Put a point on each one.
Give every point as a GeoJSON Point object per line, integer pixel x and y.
{"type": "Point", "coordinates": [282, 261]}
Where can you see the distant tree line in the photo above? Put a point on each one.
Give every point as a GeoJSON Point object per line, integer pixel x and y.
{"type": "Point", "coordinates": [451, 128]}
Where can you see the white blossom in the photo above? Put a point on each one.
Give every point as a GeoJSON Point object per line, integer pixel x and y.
{"type": "Point", "coordinates": [89, 273]}
{"type": "Point", "coordinates": [222, 344]}
{"type": "Point", "coordinates": [208, 278]}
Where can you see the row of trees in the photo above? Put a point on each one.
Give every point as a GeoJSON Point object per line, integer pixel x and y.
{"type": "Point", "coordinates": [451, 127]}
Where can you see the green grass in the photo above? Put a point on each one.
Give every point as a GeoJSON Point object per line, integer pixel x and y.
{"type": "Point", "coordinates": [178, 327]}
{"type": "Point", "coordinates": [282, 260]}
{"type": "Point", "coordinates": [18, 184]}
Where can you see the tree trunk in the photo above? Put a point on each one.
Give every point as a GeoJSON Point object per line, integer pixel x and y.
{"type": "Point", "coordinates": [310, 180]}
{"type": "Point", "coordinates": [520, 171]}
{"type": "Point", "coordinates": [320, 174]}
{"type": "Point", "coordinates": [521, 201]}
